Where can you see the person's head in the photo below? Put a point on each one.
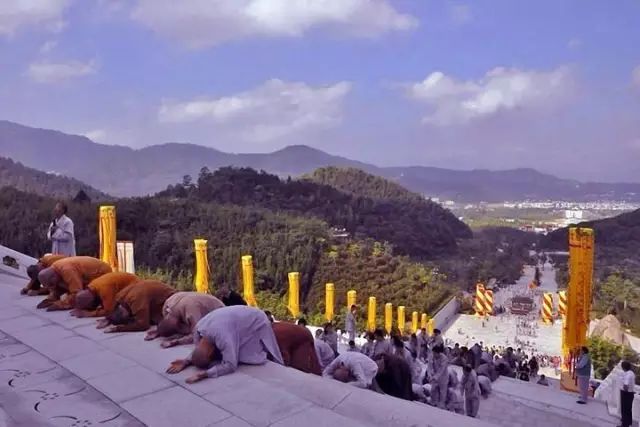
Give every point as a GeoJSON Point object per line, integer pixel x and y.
{"type": "Point", "coordinates": [33, 271]}
{"type": "Point", "coordinates": [120, 315]}
{"type": "Point", "coordinates": [467, 369]}
{"type": "Point", "coordinates": [204, 354]}
{"type": "Point", "coordinates": [519, 350]}
{"type": "Point", "coordinates": [378, 335]}
{"type": "Point", "coordinates": [413, 338]}
{"type": "Point", "coordinates": [438, 349]}
{"type": "Point", "coordinates": [352, 344]}
{"type": "Point", "coordinates": [86, 300]}
{"type": "Point", "coordinates": [509, 350]}
{"type": "Point", "coordinates": [584, 350]}
{"type": "Point", "coordinates": [328, 328]}
{"type": "Point", "coordinates": [302, 321]}
{"type": "Point", "coordinates": [60, 209]}
{"type": "Point", "coordinates": [456, 346]}
{"type": "Point", "coordinates": [423, 331]}
{"type": "Point", "coordinates": [436, 332]}
{"type": "Point", "coordinates": [343, 374]}
{"type": "Point", "coordinates": [319, 333]}
{"type": "Point", "coordinates": [223, 292]}
{"type": "Point", "coordinates": [354, 308]}
{"type": "Point", "coordinates": [397, 343]}
{"type": "Point", "coordinates": [625, 365]}
{"type": "Point", "coordinates": [370, 336]}
{"type": "Point", "coordinates": [543, 377]}
{"type": "Point", "coordinates": [167, 327]}
{"type": "Point", "coordinates": [49, 278]}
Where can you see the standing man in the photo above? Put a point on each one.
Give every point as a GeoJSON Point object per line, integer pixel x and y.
{"type": "Point", "coordinates": [583, 372]}
{"type": "Point", "coordinates": [626, 395]}
{"type": "Point", "coordinates": [61, 235]}
{"type": "Point", "coordinates": [350, 323]}
{"type": "Point", "coordinates": [471, 389]}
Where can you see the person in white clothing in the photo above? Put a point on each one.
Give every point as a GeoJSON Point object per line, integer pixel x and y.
{"type": "Point", "coordinates": [352, 368]}
{"type": "Point", "coordinates": [60, 233]}
{"type": "Point", "coordinates": [324, 352]}
{"type": "Point", "coordinates": [626, 394]}
{"type": "Point", "coordinates": [350, 323]}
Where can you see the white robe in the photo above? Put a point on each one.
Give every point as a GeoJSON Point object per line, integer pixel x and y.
{"type": "Point", "coordinates": [63, 240]}
{"type": "Point", "coordinates": [242, 334]}
{"type": "Point", "coordinates": [363, 369]}
{"type": "Point", "coordinates": [324, 352]}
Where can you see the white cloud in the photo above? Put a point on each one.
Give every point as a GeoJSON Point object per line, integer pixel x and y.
{"type": "Point", "coordinates": [501, 89]}
{"type": "Point", "coordinates": [272, 110]}
{"type": "Point", "coordinates": [53, 72]}
{"type": "Point", "coordinates": [574, 43]}
{"type": "Point", "coordinates": [204, 23]}
{"type": "Point", "coordinates": [635, 77]}
{"type": "Point", "coordinates": [97, 135]}
{"type": "Point", "coordinates": [16, 15]}
{"type": "Point", "coordinates": [460, 14]}
{"type": "Point", "coordinates": [48, 46]}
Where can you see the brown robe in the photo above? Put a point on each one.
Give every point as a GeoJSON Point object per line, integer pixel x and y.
{"type": "Point", "coordinates": [106, 288]}
{"type": "Point", "coordinates": [33, 271]}
{"type": "Point", "coordinates": [144, 301]}
{"type": "Point", "coordinates": [395, 378]}
{"type": "Point", "coordinates": [186, 309]}
{"type": "Point", "coordinates": [297, 347]}
{"type": "Point", "coordinates": [76, 273]}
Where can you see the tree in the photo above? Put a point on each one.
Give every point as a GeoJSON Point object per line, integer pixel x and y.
{"type": "Point", "coordinates": [605, 355]}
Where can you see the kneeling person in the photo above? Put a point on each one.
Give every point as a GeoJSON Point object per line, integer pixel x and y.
{"type": "Point", "coordinates": [138, 306]}
{"type": "Point", "coordinates": [34, 287]}
{"type": "Point", "coordinates": [227, 337]}
{"type": "Point", "coordinates": [352, 368]}
{"type": "Point", "coordinates": [99, 299]}
{"type": "Point", "coordinates": [181, 313]}
{"type": "Point", "coordinates": [297, 347]}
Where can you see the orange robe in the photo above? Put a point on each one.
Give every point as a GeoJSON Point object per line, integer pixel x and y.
{"type": "Point", "coordinates": [106, 288]}
{"type": "Point", "coordinates": [44, 262]}
{"type": "Point", "coordinates": [144, 301]}
{"type": "Point", "coordinates": [76, 273]}
{"type": "Point", "coordinates": [297, 347]}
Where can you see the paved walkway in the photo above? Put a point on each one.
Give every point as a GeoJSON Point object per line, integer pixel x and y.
{"type": "Point", "coordinates": [57, 370]}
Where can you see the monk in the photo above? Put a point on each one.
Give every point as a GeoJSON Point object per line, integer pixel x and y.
{"type": "Point", "coordinates": [394, 376]}
{"type": "Point", "coordinates": [34, 286]}
{"type": "Point", "coordinates": [297, 347]}
{"type": "Point", "coordinates": [99, 299]}
{"type": "Point", "coordinates": [353, 368]}
{"type": "Point", "coordinates": [69, 275]}
{"type": "Point", "coordinates": [138, 307]}
{"type": "Point", "coordinates": [229, 336]}
{"type": "Point", "coordinates": [181, 313]}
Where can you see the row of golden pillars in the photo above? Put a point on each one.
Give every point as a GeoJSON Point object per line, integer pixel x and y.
{"type": "Point", "coordinates": [108, 254]}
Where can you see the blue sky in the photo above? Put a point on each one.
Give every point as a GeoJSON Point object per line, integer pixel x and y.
{"type": "Point", "coordinates": [549, 84]}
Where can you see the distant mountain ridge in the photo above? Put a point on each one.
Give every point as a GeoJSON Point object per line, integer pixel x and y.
{"type": "Point", "coordinates": [16, 175]}
{"type": "Point", "coordinates": [123, 171]}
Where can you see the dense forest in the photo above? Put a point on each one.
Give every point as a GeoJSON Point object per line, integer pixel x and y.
{"type": "Point", "coordinates": [16, 175]}
{"type": "Point", "coordinates": [417, 228]}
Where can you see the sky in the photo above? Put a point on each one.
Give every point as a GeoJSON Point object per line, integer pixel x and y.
{"type": "Point", "coordinates": [497, 84]}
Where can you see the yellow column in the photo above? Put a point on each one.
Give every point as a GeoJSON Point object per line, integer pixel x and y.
{"type": "Point", "coordinates": [562, 303]}
{"type": "Point", "coordinates": [488, 302]}
{"type": "Point", "coordinates": [351, 298]}
{"type": "Point", "coordinates": [576, 324]}
{"type": "Point", "coordinates": [107, 234]}
{"type": "Point", "coordinates": [371, 314]}
{"type": "Point", "coordinates": [388, 317]}
{"type": "Point", "coordinates": [330, 293]}
{"type": "Point", "coordinates": [432, 326]}
{"type": "Point", "coordinates": [547, 308]}
{"type": "Point", "coordinates": [479, 304]}
{"type": "Point", "coordinates": [414, 322]}
{"type": "Point", "coordinates": [424, 321]}
{"type": "Point", "coordinates": [201, 279]}
{"type": "Point", "coordinates": [248, 291]}
{"type": "Point", "coordinates": [401, 318]}
{"type": "Point", "coordinates": [294, 294]}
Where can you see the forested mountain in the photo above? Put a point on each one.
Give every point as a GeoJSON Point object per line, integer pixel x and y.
{"type": "Point", "coordinates": [417, 228]}
{"type": "Point", "coordinates": [163, 231]}
{"type": "Point", "coordinates": [360, 183]}
{"type": "Point", "coordinates": [123, 171]}
{"type": "Point", "coordinates": [16, 175]}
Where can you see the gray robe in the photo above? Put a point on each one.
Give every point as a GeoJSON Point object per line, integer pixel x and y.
{"type": "Point", "coordinates": [63, 240]}
{"type": "Point", "coordinates": [324, 352]}
{"type": "Point", "coordinates": [471, 389]}
{"type": "Point", "coordinates": [242, 334]}
{"type": "Point", "coordinates": [186, 309]}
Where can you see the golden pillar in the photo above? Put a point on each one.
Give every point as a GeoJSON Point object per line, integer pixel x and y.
{"type": "Point", "coordinates": [107, 235]}
{"type": "Point", "coordinates": [371, 314]}
{"type": "Point", "coordinates": [248, 291]}
{"type": "Point", "coordinates": [330, 294]}
{"type": "Point", "coordinates": [388, 317]}
{"type": "Point", "coordinates": [401, 319]}
{"type": "Point", "coordinates": [479, 303]}
{"type": "Point", "coordinates": [578, 310]}
{"type": "Point", "coordinates": [424, 321]}
{"type": "Point", "coordinates": [351, 298]}
{"type": "Point", "coordinates": [294, 294]}
{"type": "Point", "coordinates": [562, 303]}
{"type": "Point", "coordinates": [414, 322]}
{"type": "Point", "coordinates": [432, 326]}
{"type": "Point", "coordinates": [201, 279]}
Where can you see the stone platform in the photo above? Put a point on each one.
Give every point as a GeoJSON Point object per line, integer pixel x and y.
{"type": "Point", "coordinates": [57, 370]}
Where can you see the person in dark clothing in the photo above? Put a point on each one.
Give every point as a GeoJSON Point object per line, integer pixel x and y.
{"type": "Point", "coordinates": [394, 376]}
{"type": "Point", "coordinates": [230, 297]}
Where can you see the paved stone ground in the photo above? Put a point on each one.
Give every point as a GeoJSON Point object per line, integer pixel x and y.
{"type": "Point", "coordinates": [56, 370]}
